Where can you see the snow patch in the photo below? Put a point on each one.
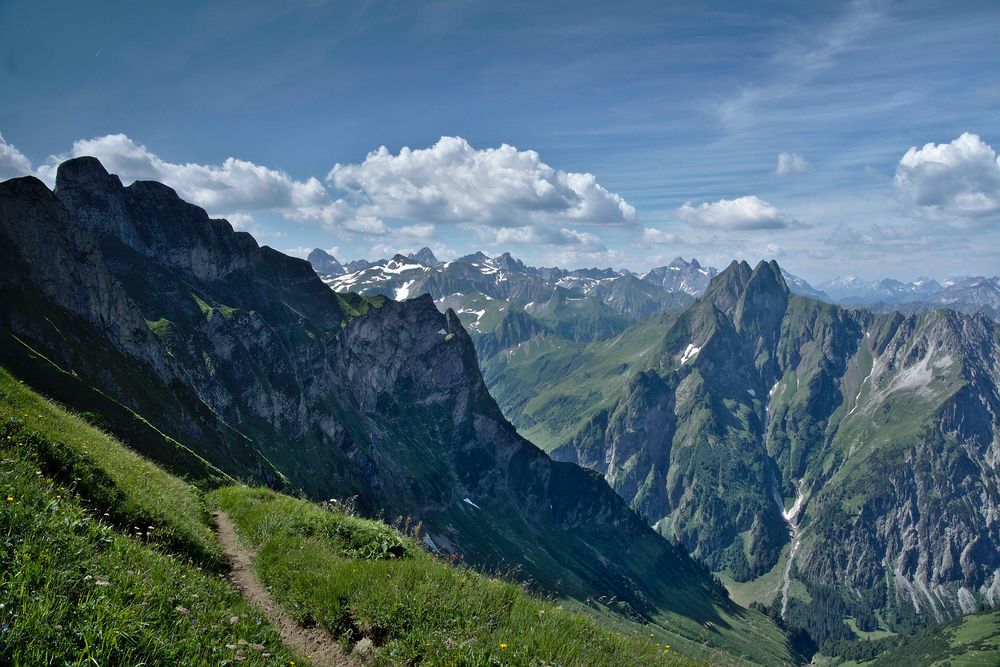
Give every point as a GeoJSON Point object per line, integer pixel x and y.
{"type": "Point", "coordinates": [478, 313]}
{"type": "Point", "coordinates": [392, 267]}
{"type": "Point", "coordinates": [404, 291]}
{"type": "Point", "coordinates": [861, 388]}
{"type": "Point", "coordinates": [690, 352]}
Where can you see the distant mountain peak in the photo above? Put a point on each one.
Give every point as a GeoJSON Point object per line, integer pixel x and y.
{"type": "Point", "coordinates": [426, 257]}
{"type": "Point", "coordinates": [725, 289]}
{"type": "Point", "coordinates": [476, 257]}
{"type": "Point", "coordinates": [798, 285]}
{"type": "Point", "coordinates": [324, 263]}
{"type": "Point", "coordinates": [681, 276]}
{"type": "Point", "coordinates": [510, 263]}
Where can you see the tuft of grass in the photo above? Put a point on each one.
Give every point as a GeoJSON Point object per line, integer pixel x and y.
{"type": "Point", "coordinates": [362, 579]}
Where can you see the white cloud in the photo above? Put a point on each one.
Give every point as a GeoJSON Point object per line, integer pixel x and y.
{"type": "Point", "coordinates": [791, 163]}
{"type": "Point", "coordinates": [421, 231]}
{"type": "Point", "coordinates": [452, 182]}
{"type": "Point", "coordinates": [239, 220]}
{"type": "Point", "coordinates": [743, 213]}
{"type": "Point", "coordinates": [651, 236]}
{"type": "Point", "coordinates": [773, 250]}
{"type": "Point", "coordinates": [302, 252]}
{"type": "Point", "coordinates": [959, 180]}
{"type": "Point", "coordinates": [13, 163]}
{"type": "Point", "coordinates": [339, 214]}
{"type": "Point", "coordinates": [233, 185]}
{"type": "Point", "coordinates": [539, 236]}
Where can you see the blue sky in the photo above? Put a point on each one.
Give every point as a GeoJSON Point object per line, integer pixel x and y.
{"type": "Point", "coordinates": [274, 117]}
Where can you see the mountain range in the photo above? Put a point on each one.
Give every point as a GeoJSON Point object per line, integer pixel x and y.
{"type": "Point", "coordinates": [715, 455]}
{"type": "Point", "coordinates": [967, 294]}
{"type": "Point", "coordinates": [837, 464]}
{"type": "Point", "coordinates": [219, 358]}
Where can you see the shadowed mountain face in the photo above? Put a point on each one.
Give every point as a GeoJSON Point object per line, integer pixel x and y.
{"type": "Point", "coordinates": [849, 461]}
{"type": "Point", "coordinates": [217, 356]}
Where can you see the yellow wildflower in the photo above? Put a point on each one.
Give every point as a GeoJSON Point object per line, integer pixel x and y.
{"type": "Point", "coordinates": [10, 499]}
{"type": "Point", "coordinates": [502, 645]}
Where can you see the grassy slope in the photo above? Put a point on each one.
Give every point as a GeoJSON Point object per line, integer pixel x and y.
{"type": "Point", "coordinates": [106, 558]}
{"type": "Point", "coordinates": [557, 390]}
{"type": "Point", "coordinates": [77, 580]}
{"type": "Point", "coordinates": [686, 619]}
{"type": "Point", "coordinates": [360, 578]}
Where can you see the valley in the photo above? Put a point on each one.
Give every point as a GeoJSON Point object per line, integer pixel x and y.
{"type": "Point", "coordinates": [798, 408]}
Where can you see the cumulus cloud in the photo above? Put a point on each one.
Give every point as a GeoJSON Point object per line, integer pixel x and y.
{"type": "Point", "coordinates": [651, 236]}
{"type": "Point", "coordinates": [233, 185]}
{"type": "Point", "coordinates": [743, 213]}
{"type": "Point", "coordinates": [791, 163]}
{"type": "Point", "coordinates": [341, 215]}
{"type": "Point", "coordinates": [561, 237]}
{"type": "Point", "coordinates": [239, 219]}
{"type": "Point", "coordinates": [959, 180]}
{"type": "Point", "coordinates": [13, 162]}
{"type": "Point", "coordinates": [452, 182]}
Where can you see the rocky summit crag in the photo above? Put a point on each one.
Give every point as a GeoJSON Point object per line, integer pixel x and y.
{"type": "Point", "coordinates": [220, 358]}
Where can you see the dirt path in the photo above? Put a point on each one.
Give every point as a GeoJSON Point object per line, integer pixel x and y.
{"type": "Point", "coordinates": [314, 643]}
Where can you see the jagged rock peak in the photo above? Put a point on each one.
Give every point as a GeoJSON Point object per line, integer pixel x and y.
{"type": "Point", "coordinates": [474, 258]}
{"type": "Point", "coordinates": [426, 257]}
{"type": "Point", "coordinates": [152, 219]}
{"type": "Point", "coordinates": [84, 172]}
{"type": "Point", "coordinates": [767, 276]}
{"type": "Point", "coordinates": [508, 262]}
{"type": "Point", "coordinates": [324, 263]}
{"type": "Point", "coordinates": [725, 289]}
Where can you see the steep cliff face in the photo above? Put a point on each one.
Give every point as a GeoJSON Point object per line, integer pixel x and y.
{"type": "Point", "coordinates": [129, 302]}
{"type": "Point", "coordinates": [775, 435]}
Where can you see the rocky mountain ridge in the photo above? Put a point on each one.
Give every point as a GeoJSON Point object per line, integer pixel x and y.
{"type": "Point", "coordinates": [853, 459]}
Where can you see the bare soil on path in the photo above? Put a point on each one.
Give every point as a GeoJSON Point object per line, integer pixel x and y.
{"type": "Point", "coordinates": [315, 644]}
